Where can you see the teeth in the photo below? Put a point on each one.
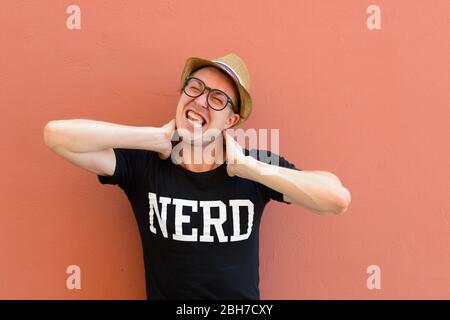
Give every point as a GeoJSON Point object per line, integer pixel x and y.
{"type": "Point", "coordinates": [195, 123]}
{"type": "Point", "coordinates": [195, 117]}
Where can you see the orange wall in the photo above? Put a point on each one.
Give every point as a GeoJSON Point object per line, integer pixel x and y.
{"type": "Point", "coordinates": [371, 106]}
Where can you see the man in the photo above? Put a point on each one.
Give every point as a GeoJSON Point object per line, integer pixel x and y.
{"type": "Point", "coordinates": [198, 210]}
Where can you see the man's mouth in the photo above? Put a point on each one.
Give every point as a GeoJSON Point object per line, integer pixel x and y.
{"type": "Point", "coordinates": [196, 119]}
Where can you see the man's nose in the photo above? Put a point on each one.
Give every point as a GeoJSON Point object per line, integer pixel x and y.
{"type": "Point", "coordinates": [202, 100]}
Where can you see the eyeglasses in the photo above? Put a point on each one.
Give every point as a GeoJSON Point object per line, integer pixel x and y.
{"type": "Point", "coordinates": [216, 99]}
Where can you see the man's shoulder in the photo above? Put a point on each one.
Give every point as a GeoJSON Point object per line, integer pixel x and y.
{"type": "Point", "coordinates": [260, 154]}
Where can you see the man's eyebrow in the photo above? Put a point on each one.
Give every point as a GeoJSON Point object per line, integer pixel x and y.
{"type": "Point", "coordinates": [223, 90]}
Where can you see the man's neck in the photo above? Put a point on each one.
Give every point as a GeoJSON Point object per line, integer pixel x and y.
{"type": "Point", "coordinates": [202, 158]}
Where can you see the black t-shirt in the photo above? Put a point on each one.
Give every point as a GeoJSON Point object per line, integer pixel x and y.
{"type": "Point", "coordinates": [199, 231]}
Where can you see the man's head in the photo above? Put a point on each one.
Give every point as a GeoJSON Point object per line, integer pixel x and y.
{"type": "Point", "coordinates": [224, 79]}
{"type": "Point", "coordinates": [195, 113]}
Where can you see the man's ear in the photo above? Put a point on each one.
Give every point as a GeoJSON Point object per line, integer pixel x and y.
{"type": "Point", "coordinates": [231, 121]}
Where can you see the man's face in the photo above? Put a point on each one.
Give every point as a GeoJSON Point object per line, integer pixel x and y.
{"type": "Point", "coordinates": [213, 122]}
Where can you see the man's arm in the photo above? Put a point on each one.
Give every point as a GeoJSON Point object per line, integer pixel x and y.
{"type": "Point", "coordinates": [89, 143]}
{"type": "Point", "coordinates": [318, 191]}
{"type": "Point", "coordinates": [309, 189]}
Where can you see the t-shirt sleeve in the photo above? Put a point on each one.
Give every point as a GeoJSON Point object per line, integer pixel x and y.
{"type": "Point", "coordinates": [130, 165]}
{"type": "Point", "coordinates": [273, 159]}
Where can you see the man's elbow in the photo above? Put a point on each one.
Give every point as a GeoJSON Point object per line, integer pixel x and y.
{"type": "Point", "coordinates": [343, 201]}
{"type": "Point", "coordinates": [339, 205]}
{"type": "Point", "coordinates": [341, 210]}
{"type": "Point", "coordinates": [50, 134]}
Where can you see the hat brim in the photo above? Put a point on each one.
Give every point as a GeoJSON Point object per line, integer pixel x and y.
{"type": "Point", "coordinates": [245, 107]}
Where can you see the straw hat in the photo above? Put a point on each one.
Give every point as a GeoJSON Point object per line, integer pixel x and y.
{"type": "Point", "coordinates": [235, 67]}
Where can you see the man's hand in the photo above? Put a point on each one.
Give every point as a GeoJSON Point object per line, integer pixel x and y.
{"type": "Point", "coordinates": [165, 139]}
{"type": "Point", "coordinates": [236, 159]}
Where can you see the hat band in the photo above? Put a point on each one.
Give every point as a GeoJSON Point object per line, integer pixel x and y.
{"type": "Point", "coordinates": [230, 71]}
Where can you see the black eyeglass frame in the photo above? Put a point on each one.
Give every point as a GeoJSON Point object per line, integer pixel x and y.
{"type": "Point", "coordinates": [205, 87]}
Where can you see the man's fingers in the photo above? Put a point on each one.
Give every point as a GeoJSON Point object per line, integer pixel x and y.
{"type": "Point", "coordinates": [171, 124]}
{"type": "Point", "coordinates": [231, 148]}
{"type": "Point", "coordinates": [228, 137]}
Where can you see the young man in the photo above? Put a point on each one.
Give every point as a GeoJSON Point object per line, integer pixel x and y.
{"type": "Point", "coordinates": [198, 205]}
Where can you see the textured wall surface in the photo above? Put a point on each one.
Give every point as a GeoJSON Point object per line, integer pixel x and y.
{"type": "Point", "coordinates": [371, 106]}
